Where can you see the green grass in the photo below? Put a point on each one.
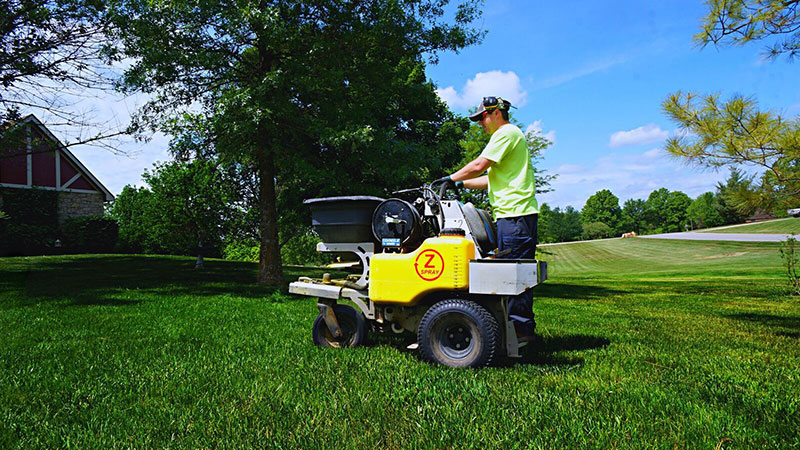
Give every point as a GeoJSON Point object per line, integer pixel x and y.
{"type": "Point", "coordinates": [646, 344]}
{"type": "Point", "coordinates": [777, 226]}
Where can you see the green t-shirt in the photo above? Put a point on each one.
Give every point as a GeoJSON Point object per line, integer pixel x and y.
{"type": "Point", "coordinates": [512, 189]}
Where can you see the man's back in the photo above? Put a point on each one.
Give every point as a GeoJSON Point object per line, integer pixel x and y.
{"type": "Point", "coordinates": [511, 178]}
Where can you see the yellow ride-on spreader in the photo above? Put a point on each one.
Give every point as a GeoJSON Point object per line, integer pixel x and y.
{"type": "Point", "coordinates": [428, 267]}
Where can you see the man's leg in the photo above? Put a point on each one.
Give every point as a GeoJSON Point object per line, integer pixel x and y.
{"type": "Point", "coordinates": [518, 234]}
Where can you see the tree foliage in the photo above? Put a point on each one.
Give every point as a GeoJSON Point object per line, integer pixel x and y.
{"type": "Point", "coordinates": [734, 133]}
{"type": "Point", "coordinates": [187, 206]}
{"type": "Point", "coordinates": [319, 97]}
{"type": "Point", "coordinates": [665, 210]}
{"type": "Point", "coordinates": [634, 217]}
{"type": "Point", "coordinates": [53, 50]}
{"type": "Point", "coordinates": [704, 212]}
{"type": "Point", "coordinates": [737, 132]}
{"type": "Point", "coordinates": [602, 207]}
{"type": "Point", "coordinates": [557, 225]}
{"type": "Point", "coordinates": [729, 194]}
{"type": "Point", "coordinates": [738, 22]}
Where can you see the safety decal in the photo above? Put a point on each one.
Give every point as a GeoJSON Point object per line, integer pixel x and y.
{"type": "Point", "coordinates": [429, 265]}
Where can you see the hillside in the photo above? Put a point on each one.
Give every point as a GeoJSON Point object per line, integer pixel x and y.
{"type": "Point", "coordinates": [776, 226]}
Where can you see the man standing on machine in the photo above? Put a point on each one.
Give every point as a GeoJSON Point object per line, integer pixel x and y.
{"type": "Point", "coordinates": [512, 193]}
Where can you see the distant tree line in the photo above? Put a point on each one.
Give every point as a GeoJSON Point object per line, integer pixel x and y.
{"type": "Point", "coordinates": [663, 211]}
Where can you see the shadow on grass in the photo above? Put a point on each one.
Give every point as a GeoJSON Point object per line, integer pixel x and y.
{"type": "Point", "coordinates": [101, 279]}
{"type": "Point", "coordinates": [574, 291]}
{"type": "Point", "coordinates": [545, 352]}
{"type": "Point", "coordinates": [788, 326]}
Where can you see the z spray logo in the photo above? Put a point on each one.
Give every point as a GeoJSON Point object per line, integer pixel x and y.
{"type": "Point", "coordinates": [429, 265]}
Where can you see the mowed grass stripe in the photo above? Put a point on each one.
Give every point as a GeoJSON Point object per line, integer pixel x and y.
{"type": "Point", "coordinates": [645, 344]}
{"type": "Point", "coordinates": [625, 256]}
{"type": "Point", "coordinates": [789, 225]}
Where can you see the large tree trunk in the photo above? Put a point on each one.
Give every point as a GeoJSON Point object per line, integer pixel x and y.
{"type": "Point", "coordinates": [270, 270]}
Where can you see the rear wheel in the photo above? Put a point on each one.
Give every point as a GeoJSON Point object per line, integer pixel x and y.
{"type": "Point", "coordinates": [458, 333]}
{"type": "Point", "coordinates": [352, 324]}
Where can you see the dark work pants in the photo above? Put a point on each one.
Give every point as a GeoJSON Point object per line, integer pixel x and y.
{"type": "Point", "coordinates": [519, 235]}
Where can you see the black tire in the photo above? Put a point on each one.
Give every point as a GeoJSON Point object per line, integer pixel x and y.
{"type": "Point", "coordinates": [352, 323]}
{"type": "Point", "coordinates": [458, 333]}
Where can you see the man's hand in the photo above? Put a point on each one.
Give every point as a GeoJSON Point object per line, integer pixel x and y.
{"type": "Point", "coordinates": [446, 179]}
{"type": "Point", "coordinates": [449, 179]}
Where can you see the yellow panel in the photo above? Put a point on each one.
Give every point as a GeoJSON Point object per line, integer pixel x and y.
{"type": "Point", "coordinates": [440, 263]}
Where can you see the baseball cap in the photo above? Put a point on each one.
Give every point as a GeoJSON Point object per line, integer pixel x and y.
{"type": "Point", "coordinates": [490, 104]}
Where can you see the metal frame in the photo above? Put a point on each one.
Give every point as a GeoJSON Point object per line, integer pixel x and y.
{"type": "Point", "coordinates": [364, 251]}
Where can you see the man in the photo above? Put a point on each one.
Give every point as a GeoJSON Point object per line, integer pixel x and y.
{"type": "Point", "coordinates": [512, 190]}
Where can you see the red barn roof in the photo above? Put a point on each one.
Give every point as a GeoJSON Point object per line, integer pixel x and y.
{"type": "Point", "coordinates": [43, 162]}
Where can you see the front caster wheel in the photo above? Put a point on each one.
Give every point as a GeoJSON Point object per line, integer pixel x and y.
{"type": "Point", "coordinates": [352, 323]}
{"type": "Point", "coordinates": [458, 333]}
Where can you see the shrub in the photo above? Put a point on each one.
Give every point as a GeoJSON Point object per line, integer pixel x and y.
{"type": "Point", "coordinates": [32, 218]}
{"type": "Point", "coordinates": [791, 260]}
{"type": "Point", "coordinates": [302, 250]}
{"type": "Point", "coordinates": [241, 251]}
{"type": "Point", "coordinates": [596, 230]}
{"type": "Point", "coordinates": [91, 234]}
{"type": "Point", "coordinates": [299, 250]}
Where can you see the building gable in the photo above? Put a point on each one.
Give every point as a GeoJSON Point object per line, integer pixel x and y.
{"type": "Point", "coordinates": [43, 162]}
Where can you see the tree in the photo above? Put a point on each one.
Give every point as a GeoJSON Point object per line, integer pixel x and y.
{"type": "Point", "coordinates": [735, 187]}
{"type": "Point", "coordinates": [132, 210]}
{"type": "Point", "coordinates": [741, 21]}
{"type": "Point", "coordinates": [187, 207]}
{"type": "Point", "coordinates": [565, 225]}
{"type": "Point", "coordinates": [195, 198]}
{"type": "Point", "coordinates": [704, 212]}
{"type": "Point", "coordinates": [602, 207]}
{"type": "Point", "coordinates": [53, 50]}
{"type": "Point", "coordinates": [675, 216]}
{"type": "Point", "coordinates": [633, 216]}
{"type": "Point", "coordinates": [323, 93]}
{"type": "Point", "coordinates": [544, 224]}
{"type": "Point", "coordinates": [655, 210]}
{"type": "Point", "coordinates": [738, 133]}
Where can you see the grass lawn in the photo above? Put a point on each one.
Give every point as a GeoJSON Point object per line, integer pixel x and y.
{"type": "Point", "coordinates": [646, 344]}
{"type": "Point", "coordinates": [777, 226]}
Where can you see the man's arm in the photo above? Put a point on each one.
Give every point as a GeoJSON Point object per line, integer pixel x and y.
{"type": "Point", "coordinates": [473, 170]}
{"type": "Point", "coordinates": [477, 183]}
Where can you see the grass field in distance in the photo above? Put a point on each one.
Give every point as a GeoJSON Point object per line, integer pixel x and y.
{"type": "Point", "coordinates": [646, 344]}
{"type": "Point", "coordinates": [790, 225]}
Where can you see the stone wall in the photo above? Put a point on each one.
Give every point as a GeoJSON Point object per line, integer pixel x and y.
{"type": "Point", "coordinates": [79, 204]}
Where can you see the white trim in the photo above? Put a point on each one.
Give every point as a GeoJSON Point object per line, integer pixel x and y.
{"type": "Point", "coordinates": [71, 180]}
{"type": "Point", "coordinates": [58, 169]}
{"type": "Point", "coordinates": [29, 161]}
{"type": "Point", "coordinates": [49, 188]}
{"type": "Point", "coordinates": [70, 157]}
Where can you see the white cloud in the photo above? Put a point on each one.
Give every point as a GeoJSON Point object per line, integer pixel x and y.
{"type": "Point", "coordinates": [643, 135]}
{"type": "Point", "coordinates": [537, 128]}
{"type": "Point", "coordinates": [628, 177]}
{"type": "Point", "coordinates": [484, 84]}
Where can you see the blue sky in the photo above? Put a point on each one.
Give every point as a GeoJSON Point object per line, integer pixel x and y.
{"type": "Point", "coordinates": [585, 71]}
{"type": "Point", "coordinates": [591, 75]}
